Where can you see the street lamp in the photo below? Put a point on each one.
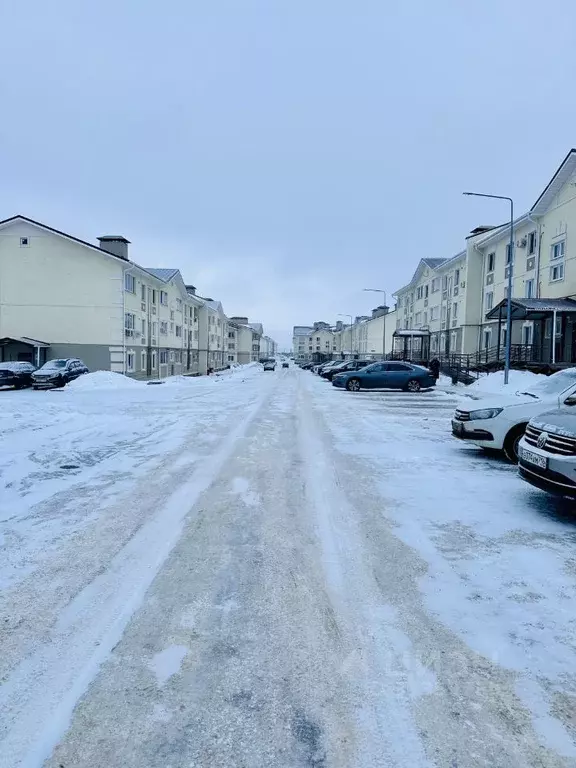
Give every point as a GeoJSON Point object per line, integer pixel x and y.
{"type": "Point", "coordinates": [510, 269]}
{"type": "Point", "coordinates": [379, 290]}
{"type": "Point", "coordinates": [350, 316]}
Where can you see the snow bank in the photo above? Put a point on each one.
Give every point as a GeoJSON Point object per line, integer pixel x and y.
{"type": "Point", "coordinates": [103, 380]}
{"type": "Point", "coordinates": [494, 382]}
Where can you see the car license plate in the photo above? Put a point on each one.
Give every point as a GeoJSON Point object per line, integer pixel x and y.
{"type": "Point", "coordinates": [535, 459]}
{"type": "Point", "coordinates": [457, 427]}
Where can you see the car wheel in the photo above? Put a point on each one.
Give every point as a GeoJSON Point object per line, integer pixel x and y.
{"type": "Point", "coordinates": [61, 382]}
{"type": "Point", "coordinates": [511, 443]}
{"type": "Point", "coordinates": [35, 388]}
{"type": "Point", "coordinates": [413, 385]}
{"type": "Point", "coordinates": [353, 385]}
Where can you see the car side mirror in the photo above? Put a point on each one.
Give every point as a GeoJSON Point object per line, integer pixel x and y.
{"type": "Point", "coordinates": [571, 400]}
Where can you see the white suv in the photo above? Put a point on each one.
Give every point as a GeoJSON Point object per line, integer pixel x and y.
{"type": "Point", "coordinates": [497, 422]}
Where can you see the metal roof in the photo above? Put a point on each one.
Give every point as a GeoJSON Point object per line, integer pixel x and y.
{"type": "Point", "coordinates": [24, 340]}
{"type": "Point", "coordinates": [532, 309]}
{"type": "Point", "coordinates": [162, 274]}
{"type": "Point", "coordinates": [433, 263]}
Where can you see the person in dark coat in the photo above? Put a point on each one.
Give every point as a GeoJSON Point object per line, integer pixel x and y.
{"type": "Point", "coordinates": [435, 368]}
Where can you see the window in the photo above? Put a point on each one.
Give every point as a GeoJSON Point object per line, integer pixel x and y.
{"type": "Point", "coordinates": [171, 356]}
{"type": "Point", "coordinates": [143, 292]}
{"type": "Point", "coordinates": [130, 360]}
{"type": "Point", "coordinates": [171, 314]}
{"type": "Point", "coordinates": [529, 289]}
{"type": "Point", "coordinates": [179, 331]}
{"type": "Point", "coordinates": [420, 292]}
{"type": "Point", "coordinates": [179, 305]}
{"type": "Point", "coordinates": [435, 284]}
{"type": "Point", "coordinates": [527, 334]}
{"type": "Point", "coordinates": [531, 243]}
{"type": "Point", "coordinates": [230, 358]}
{"type": "Point", "coordinates": [163, 356]}
{"type": "Point", "coordinates": [164, 298]}
{"type": "Point", "coordinates": [418, 318]}
{"type": "Point", "coordinates": [129, 283]}
{"type": "Point", "coordinates": [444, 282]}
{"type": "Point", "coordinates": [487, 337]}
{"type": "Point", "coordinates": [143, 360]}
{"type": "Point", "coordinates": [456, 277]}
{"type": "Point", "coordinates": [425, 318]}
{"type": "Point", "coordinates": [455, 310]}
{"type": "Point", "coordinates": [509, 254]}
{"type": "Point", "coordinates": [154, 296]}
{"type": "Point", "coordinates": [24, 242]}
{"type": "Point", "coordinates": [317, 339]}
{"type": "Point", "coordinates": [143, 322]}
{"type": "Point", "coordinates": [232, 335]}
{"type": "Point", "coordinates": [557, 272]}
{"type": "Point", "coordinates": [491, 261]}
{"type": "Point", "coordinates": [171, 327]}
{"type": "Point", "coordinates": [489, 300]}
{"type": "Point", "coordinates": [154, 329]}
{"type": "Point", "coordinates": [163, 329]}
{"type": "Point", "coordinates": [129, 323]}
{"type": "Point", "coordinates": [426, 291]}
{"type": "Point", "coordinates": [154, 360]}
{"type": "Point", "coordinates": [505, 291]}
{"type": "Point", "coordinates": [443, 312]}
{"type": "Point", "coordinates": [558, 249]}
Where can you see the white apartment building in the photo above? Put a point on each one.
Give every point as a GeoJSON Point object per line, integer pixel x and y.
{"type": "Point", "coordinates": [61, 296]}
{"type": "Point", "coordinates": [248, 339]}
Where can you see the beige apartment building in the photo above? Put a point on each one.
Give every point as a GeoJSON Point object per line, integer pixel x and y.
{"type": "Point", "coordinates": [61, 296]}
{"type": "Point", "coordinates": [457, 305]}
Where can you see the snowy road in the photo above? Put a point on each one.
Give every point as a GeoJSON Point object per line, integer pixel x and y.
{"type": "Point", "coordinates": [262, 570]}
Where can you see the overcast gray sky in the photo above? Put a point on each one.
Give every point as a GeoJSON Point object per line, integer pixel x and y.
{"type": "Point", "coordinates": [284, 154]}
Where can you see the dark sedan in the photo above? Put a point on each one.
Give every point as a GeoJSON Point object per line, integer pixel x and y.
{"type": "Point", "coordinates": [351, 365]}
{"type": "Point", "coordinates": [57, 373]}
{"type": "Point", "coordinates": [411, 378]}
{"type": "Point", "coordinates": [16, 374]}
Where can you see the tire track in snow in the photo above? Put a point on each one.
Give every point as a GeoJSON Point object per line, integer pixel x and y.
{"type": "Point", "coordinates": [387, 732]}
{"type": "Point", "coordinates": [37, 700]}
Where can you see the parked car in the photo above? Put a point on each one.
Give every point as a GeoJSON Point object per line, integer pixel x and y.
{"type": "Point", "coordinates": [285, 364]}
{"type": "Point", "coordinates": [57, 373]}
{"type": "Point", "coordinates": [498, 422]}
{"type": "Point", "coordinates": [351, 365]}
{"type": "Point", "coordinates": [411, 378]}
{"type": "Point", "coordinates": [327, 366]}
{"type": "Point", "coordinates": [270, 365]}
{"type": "Point", "coordinates": [547, 451]}
{"type": "Point", "coordinates": [16, 374]}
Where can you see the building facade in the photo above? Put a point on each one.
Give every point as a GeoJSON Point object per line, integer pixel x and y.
{"type": "Point", "coordinates": [64, 297]}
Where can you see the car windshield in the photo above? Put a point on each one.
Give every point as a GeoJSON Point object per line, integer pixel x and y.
{"type": "Point", "coordinates": [51, 364]}
{"type": "Point", "coordinates": [552, 385]}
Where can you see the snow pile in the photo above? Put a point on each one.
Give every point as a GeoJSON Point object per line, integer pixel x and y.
{"type": "Point", "coordinates": [494, 382]}
{"type": "Point", "coordinates": [103, 380]}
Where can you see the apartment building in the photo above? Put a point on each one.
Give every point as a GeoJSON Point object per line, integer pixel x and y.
{"type": "Point", "coordinates": [248, 339]}
{"type": "Point", "coordinates": [458, 305]}
{"type": "Point", "coordinates": [61, 296]}
{"type": "Point", "coordinates": [370, 336]}
{"type": "Point", "coordinates": [317, 342]}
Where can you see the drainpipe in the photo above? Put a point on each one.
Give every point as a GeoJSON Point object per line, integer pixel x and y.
{"type": "Point", "coordinates": [539, 230]}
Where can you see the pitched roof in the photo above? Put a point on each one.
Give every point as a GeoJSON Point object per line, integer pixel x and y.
{"type": "Point", "coordinates": [19, 217]}
{"type": "Point", "coordinates": [562, 175]}
{"type": "Point", "coordinates": [162, 274]}
{"type": "Point", "coordinates": [433, 263]}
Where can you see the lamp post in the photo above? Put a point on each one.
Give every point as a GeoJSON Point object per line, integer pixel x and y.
{"type": "Point", "coordinates": [379, 290]}
{"type": "Point", "coordinates": [350, 316]}
{"type": "Point", "coordinates": [510, 270]}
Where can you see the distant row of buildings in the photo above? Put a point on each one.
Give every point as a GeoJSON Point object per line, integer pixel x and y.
{"type": "Point", "coordinates": [63, 297]}
{"type": "Point", "coordinates": [457, 305]}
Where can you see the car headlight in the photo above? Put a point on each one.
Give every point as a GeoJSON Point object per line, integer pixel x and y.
{"type": "Point", "coordinates": [485, 413]}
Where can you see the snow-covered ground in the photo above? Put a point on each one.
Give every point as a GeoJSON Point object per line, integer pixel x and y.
{"type": "Point", "coordinates": [260, 569]}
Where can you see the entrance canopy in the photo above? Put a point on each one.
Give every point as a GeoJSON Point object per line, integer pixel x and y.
{"type": "Point", "coordinates": [23, 348]}
{"type": "Point", "coordinates": [532, 309]}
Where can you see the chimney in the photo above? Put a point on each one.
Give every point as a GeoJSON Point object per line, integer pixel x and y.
{"type": "Point", "coordinates": [379, 311]}
{"type": "Point", "coordinates": [191, 289]}
{"type": "Point", "coordinates": [240, 320]}
{"type": "Point", "coordinates": [115, 244]}
{"type": "Point", "coordinates": [339, 325]}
